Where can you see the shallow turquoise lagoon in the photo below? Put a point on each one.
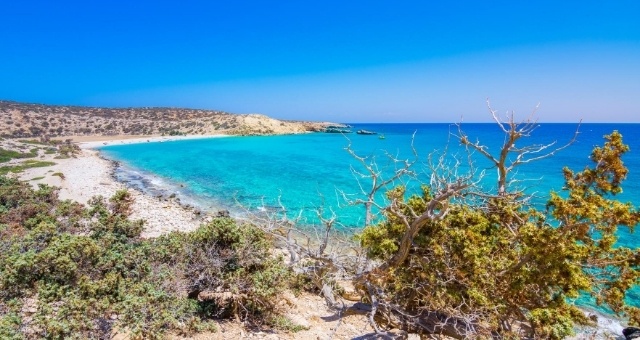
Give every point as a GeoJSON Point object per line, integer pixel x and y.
{"type": "Point", "coordinates": [305, 172]}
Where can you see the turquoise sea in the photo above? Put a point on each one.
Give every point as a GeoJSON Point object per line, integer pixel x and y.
{"type": "Point", "coordinates": [308, 171]}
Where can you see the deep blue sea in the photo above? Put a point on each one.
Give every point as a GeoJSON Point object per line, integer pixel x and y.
{"type": "Point", "coordinates": [308, 171]}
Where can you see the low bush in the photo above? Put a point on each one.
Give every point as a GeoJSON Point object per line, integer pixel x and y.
{"type": "Point", "coordinates": [70, 271]}
{"type": "Point", "coordinates": [7, 155]}
{"type": "Point", "coordinates": [28, 164]}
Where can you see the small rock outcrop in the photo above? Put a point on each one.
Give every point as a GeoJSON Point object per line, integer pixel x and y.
{"type": "Point", "coordinates": [631, 333]}
{"type": "Point", "coordinates": [223, 213]}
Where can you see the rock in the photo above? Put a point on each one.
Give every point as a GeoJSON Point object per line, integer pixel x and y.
{"type": "Point", "coordinates": [299, 320]}
{"type": "Point", "coordinates": [223, 213]}
{"type": "Point", "coordinates": [30, 306]}
{"type": "Point", "coordinates": [105, 327]}
{"type": "Point", "coordinates": [631, 333]}
{"type": "Point", "coordinates": [398, 333]}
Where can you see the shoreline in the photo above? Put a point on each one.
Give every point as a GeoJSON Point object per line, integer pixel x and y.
{"type": "Point", "coordinates": [89, 174]}
{"type": "Point", "coordinates": [92, 174]}
{"type": "Point", "coordinates": [93, 142]}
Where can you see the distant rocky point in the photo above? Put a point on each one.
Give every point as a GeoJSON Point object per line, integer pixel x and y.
{"type": "Point", "coordinates": [19, 120]}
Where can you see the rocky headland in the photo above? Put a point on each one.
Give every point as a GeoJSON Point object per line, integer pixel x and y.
{"type": "Point", "coordinates": [21, 120]}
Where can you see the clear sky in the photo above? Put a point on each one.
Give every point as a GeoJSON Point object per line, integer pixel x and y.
{"type": "Point", "coordinates": [351, 61]}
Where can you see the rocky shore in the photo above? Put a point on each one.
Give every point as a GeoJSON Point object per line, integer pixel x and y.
{"type": "Point", "coordinates": [90, 175]}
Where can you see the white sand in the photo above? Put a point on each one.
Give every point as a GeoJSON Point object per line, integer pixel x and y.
{"type": "Point", "coordinates": [89, 175]}
{"type": "Point", "coordinates": [91, 142]}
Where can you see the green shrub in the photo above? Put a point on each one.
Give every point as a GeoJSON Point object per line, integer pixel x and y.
{"type": "Point", "coordinates": [87, 272]}
{"type": "Point", "coordinates": [24, 165]}
{"type": "Point", "coordinates": [228, 267]}
{"type": "Point", "coordinates": [499, 261]}
{"type": "Point", "coordinates": [282, 323]}
{"type": "Point", "coordinates": [7, 155]}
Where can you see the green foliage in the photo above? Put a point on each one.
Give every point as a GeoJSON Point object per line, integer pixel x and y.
{"type": "Point", "coordinates": [69, 271]}
{"type": "Point", "coordinates": [23, 166]}
{"type": "Point", "coordinates": [500, 263]}
{"type": "Point", "coordinates": [10, 320]}
{"type": "Point", "coordinates": [121, 202]}
{"type": "Point", "coordinates": [67, 150]}
{"type": "Point", "coordinates": [589, 215]}
{"type": "Point", "coordinates": [7, 155]}
{"type": "Point", "coordinates": [282, 323]}
{"type": "Point", "coordinates": [33, 141]}
{"type": "Point", "coordinates": [58, 174]}
{"type": "Point", "coordinates": [172, 132]}
{"type": "Point", "coordinates": [228, 267]}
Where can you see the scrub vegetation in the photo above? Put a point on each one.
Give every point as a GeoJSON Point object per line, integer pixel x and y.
{"type": "Point", "coordinates": [7, 155]}
{"type": "Point", "coordinates": [28, 164]}
{"type": "Point", "coordinates": [464, 261]}
{"type": "Point", "coordinates": [501, 267]}
{"type": "Point", "coordinates": [22, 120]}
{"type": "Point", "coordinates": [70, 271]}
{"type": "Point", "coordinates": [457, 259]}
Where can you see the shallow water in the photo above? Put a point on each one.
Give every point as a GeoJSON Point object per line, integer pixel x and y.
{"type": "Point", "coordinates": [313, 170]}
{"type": "Point", "coordinates": [305, 172]}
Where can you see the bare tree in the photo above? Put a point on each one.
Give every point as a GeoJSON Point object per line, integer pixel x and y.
{"type": "Point", "coordinates": [326, 253]}
{"type": "Point", "coordinates": [374, 174]}
{"type": "Point", "coordinates": [449, 184]}
{"type": "Point", "coordinates": [510, 155]}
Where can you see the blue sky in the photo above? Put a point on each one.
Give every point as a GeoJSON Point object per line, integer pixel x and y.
{"type": "Point", "coordinates": [354, 61]}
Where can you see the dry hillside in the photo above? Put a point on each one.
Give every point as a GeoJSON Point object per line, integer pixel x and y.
{"type": "Point", "coordinates": [35, 120]}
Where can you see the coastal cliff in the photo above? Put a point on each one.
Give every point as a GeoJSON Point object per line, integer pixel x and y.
{"type": "Point", "coordinates": [20, 120]}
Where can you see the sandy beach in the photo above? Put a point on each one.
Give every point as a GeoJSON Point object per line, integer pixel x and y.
{"type": "Point", "coordinates": [92, 142]}
{"type": "Point", "coordinates": [89, 175]}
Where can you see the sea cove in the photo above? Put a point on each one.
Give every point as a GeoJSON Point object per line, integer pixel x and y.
{"type": "Point", "coordinates": [320, 170]}
{"type": "Point", "coordinates": [305, 172]}
{"type": "Point", "coordinates": [311, 170]}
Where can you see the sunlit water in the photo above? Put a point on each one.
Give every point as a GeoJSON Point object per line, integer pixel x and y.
{"type": "Point", "coordinates": [305, 172]}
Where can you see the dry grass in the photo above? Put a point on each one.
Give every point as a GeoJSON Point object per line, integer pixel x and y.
{"type": "Point", "coordinates": [19, 120]}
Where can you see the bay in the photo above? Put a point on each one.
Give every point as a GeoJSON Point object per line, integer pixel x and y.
{"type": "Point", "coordinates": [303, 173]}
{"type": "Point", "coordinates": [309, 171]}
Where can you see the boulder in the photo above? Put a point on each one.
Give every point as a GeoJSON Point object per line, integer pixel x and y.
{"type": "Point", "coordinates": [631, 333]}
